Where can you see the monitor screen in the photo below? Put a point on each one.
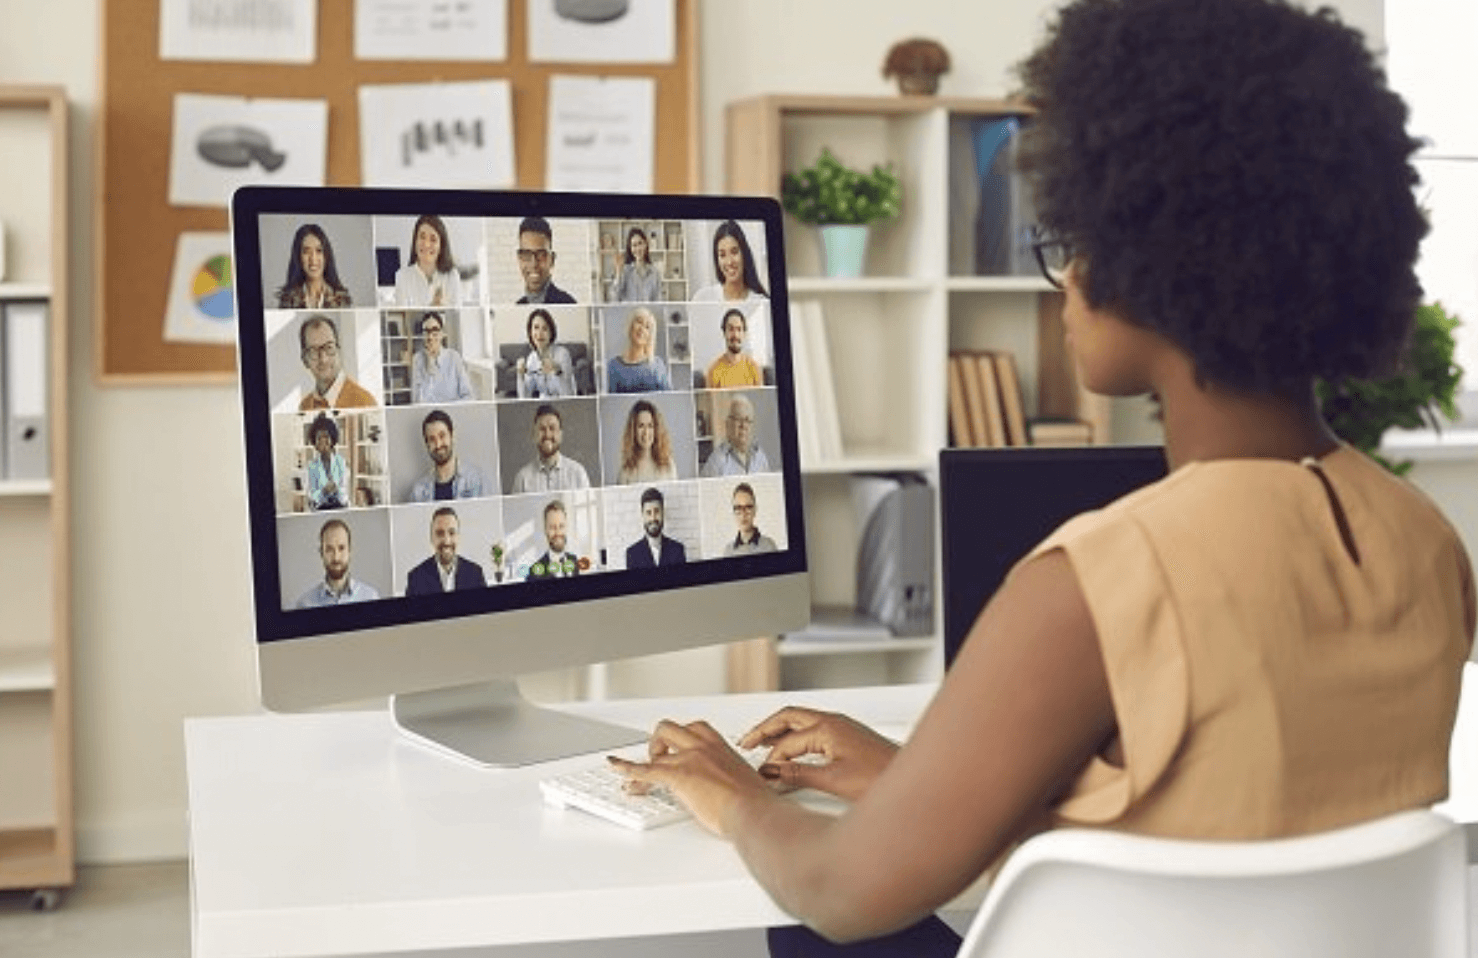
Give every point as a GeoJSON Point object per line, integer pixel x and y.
{"type": "Point", "coordinates": [997, 504]}
{"type": "Point", "coordinates": [495, 433]}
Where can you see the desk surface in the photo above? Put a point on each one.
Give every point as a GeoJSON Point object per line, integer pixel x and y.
{"type": "Point", "coordinates": [333, 834]}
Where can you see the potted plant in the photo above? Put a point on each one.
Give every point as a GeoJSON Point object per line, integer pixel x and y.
{"type": "Point", "coordinates": [842, 202]}
{"type": "Point", "coordinates": [1360, 411]}
{"type": "Point", "coordinates": [918, 65]}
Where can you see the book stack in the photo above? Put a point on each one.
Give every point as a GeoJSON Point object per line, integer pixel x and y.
{"type": "Point", "coordinates": [985, 405]}
{"type": "Point", "coordinates": [815, 390]}
{"type": "Point", "coordinates": [1060, 432]}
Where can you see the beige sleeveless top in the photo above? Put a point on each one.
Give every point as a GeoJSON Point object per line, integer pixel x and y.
{"type": "Point", "coordinates": [1272, 674]}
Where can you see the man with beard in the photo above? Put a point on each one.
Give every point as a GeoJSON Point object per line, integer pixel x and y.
{"type": "Point", "coordinates": [445, 571]}
{"type": "Point", "coordinates": [654, 548]}
{"type": "Point", "coordinates": [549, 471]}
{"type": "Point", "coordinates": [555, 563]}
{"type": "Point", "coordinates": [448, 477]}
{"type": "Point", "coordinates": [318, 342]}
{"type": "Point", "coordinates": [337, 587]}
{"type": "Point", "coordinates": [734, 368]}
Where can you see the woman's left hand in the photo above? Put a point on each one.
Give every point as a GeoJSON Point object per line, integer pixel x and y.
{"type": "Point", "coordinates": [701, 769]}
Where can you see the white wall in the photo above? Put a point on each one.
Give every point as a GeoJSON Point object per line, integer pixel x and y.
{"type": "Point", "coordinates": [159, 551]}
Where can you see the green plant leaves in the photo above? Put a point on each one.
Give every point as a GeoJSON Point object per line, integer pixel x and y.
{"type": "Point", "coordinates": [1360, 411]}
{"type": "Point", "coordinates": [829, 193]}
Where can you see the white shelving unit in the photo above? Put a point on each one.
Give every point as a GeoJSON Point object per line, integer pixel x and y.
{"type": "Point", "coordinates": [36, 834]}
{"type": "Point", "coordinates": [918, 301]}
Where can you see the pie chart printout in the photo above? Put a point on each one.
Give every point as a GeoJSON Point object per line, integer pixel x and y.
{"type": "Point", "coordinates": [211, 289]}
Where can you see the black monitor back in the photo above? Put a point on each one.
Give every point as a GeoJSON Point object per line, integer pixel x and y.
{"type": "Point", "coordinates": [996, 504]}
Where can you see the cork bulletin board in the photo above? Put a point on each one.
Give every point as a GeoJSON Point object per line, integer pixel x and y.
{"type": "Point", "coordinates": [138, 228]}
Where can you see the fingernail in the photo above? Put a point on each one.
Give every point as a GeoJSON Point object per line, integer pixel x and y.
{"type": "Point", "coordinates": [769, 772]}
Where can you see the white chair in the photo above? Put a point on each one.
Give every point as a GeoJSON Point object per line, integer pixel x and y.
{"type": "Point", "coordinates": [1396, 886]}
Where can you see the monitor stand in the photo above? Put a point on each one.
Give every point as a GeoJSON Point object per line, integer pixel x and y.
{"type": "Point", "coordinates": [491, 724]}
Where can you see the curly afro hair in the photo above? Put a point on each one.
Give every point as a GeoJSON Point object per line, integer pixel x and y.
{"type": "Point", "coordinates": [1233, 174]}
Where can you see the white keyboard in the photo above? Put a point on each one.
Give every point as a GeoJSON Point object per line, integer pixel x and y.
{"type": "Point", "coordinates": [601, 790]}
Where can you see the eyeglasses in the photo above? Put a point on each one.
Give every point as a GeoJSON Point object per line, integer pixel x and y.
{"type": "Point", "coordinates": [431, 330]}
{"type": "Point", "coordinates": [742, 420]}
{"type": "Point", "coordinates": [540, 256]}
{"type": "Point", "coordinates": [1054, 255]}
{"type": "Point", "coordinates": [326, 351]}
{"type": "Point", "coordinates": [740, 510]}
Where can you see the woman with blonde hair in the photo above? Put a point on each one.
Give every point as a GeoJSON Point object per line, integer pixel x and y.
{"type": "Point", "coordinates": [646, 446]}
{"type": "Point", "coordinates": [638, 368]}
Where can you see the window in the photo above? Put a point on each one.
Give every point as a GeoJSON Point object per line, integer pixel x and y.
{"type": "Point", "coordinates": [1430, 62]}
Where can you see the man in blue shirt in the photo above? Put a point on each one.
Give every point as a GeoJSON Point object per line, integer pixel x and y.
{"type": "Point", "coordinates": [448, 477]}
{"type": "Point", "coordinates": [738, 453]}
{"type": "Point", "coordinates": [337, 586]}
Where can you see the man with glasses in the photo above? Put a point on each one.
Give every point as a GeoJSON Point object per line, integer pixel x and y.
{"type": "Point", "coordinates": [738, 453]}
{"type": "Point", "coordinates": [536, 263]}
{"type": "Point", "coordinates": [318, 340]}
{"type": "Point", "coordinates": [749, 538]}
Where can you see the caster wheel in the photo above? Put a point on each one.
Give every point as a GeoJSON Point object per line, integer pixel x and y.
{"type": "Point", "coordinates": [45, 899]}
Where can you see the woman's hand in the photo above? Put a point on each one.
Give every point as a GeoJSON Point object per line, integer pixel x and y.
{"type": "Point", "coordinates": [854, 754]}
{"type": "Point", "coordinates": [700, 769]}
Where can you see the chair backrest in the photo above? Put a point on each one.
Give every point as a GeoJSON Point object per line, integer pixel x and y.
{"type": "Point", "coordinates": [1396, 886]}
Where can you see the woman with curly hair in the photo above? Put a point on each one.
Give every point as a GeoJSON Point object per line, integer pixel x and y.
{"type": "Point", "coordinates": [1266, 643]}
{"type": "Point", "coordinates": [646, 446]}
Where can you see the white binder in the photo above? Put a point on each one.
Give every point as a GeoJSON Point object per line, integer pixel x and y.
{"type": "Point", "coordinates": [27, 431]}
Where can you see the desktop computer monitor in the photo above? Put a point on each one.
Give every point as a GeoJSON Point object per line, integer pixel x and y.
{"type": "Point", "coordinates": [493, 433]}
{"type": "Point", "coordinates": [997, 504]}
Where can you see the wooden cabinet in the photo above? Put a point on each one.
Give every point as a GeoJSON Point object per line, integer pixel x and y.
{"type": "Point", "coordinates": [36, 834]}
{"type": "Point", "coordinates": [890, 333]}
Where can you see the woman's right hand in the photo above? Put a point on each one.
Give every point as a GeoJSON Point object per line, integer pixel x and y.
{"type": "Point", "coordinates": [854, 754]}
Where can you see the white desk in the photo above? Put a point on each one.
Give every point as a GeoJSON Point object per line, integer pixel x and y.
{"type": "Point", "coordinates": [332, 834]}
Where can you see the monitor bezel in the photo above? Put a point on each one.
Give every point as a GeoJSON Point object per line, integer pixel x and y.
{"type": "Point", "coordinates": [276, 624]}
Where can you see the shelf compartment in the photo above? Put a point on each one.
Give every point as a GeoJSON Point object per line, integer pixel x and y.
{"type": "Point", "coordinates": [28, 789]}
{"type": "Point", "coordinates": [999, 284]}
{"type": "Point", "coordinates": [803, 285]}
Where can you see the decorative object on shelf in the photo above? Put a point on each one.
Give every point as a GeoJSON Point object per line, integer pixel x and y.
{"type": "Point", "coordinates": [1360, 411]}
{"type": "Point", "coordinates": [918, 64]}
{"type": "Point", "coordinates": [831, 195]}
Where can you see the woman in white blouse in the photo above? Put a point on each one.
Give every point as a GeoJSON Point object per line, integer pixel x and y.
{"type": "Point", "coordinates": [733, 264]}
{"type": "Point", "coordinates": [431, 277]}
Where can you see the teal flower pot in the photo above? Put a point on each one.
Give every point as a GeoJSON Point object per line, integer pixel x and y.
{"type": "Point", "coordinates": [843, 250]}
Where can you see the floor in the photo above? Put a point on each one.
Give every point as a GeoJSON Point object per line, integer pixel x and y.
{"type": "Point", "coordinates": [116, 911]}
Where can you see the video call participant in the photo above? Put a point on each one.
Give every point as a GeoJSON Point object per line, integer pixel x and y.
{"type": "Point", "coordinates": [547, 372]}
{"type": "Point", "coordinates": [734, 368]}
{"type": "Point", "coordinates": [640, 281]}
{"type": "Point", "coordinates": [445, 571]}
{"type": "Point", "coordinates": [438, 373]}
{"type": "Point", "coordinates": [312, 274]}
{"type": "Point", "coordinates": [646, 446]}
{"type": "Point", "coordinates": [318, 338]}
{"type": "Point", "coordinates": [448, 477]}
{"type": "Point", "coordinates": [555, 563]}
{"type": "Point", "coordinates": [338, 586]}
{"type": "Point", "coordinates": [637, 368]}
{"type": "Point", "coordinates": [536, 263]}
{"type": "Point", "coordinates": [654, 548]}
{"type": "Point", "coordinates": [1244, 651]}
{"type": "Point", "coordinates": [749, 539]}
{"type": "Point", "coordinates": [738, 453]}
{"type": "Point", "coordinates": [430, 278]}
{"type": "Point", "coordinates": [733, 264]}
{"type": "Point", "coordinates": [550, 470]}
{"type": "Point", "coordinates": [328, 476]}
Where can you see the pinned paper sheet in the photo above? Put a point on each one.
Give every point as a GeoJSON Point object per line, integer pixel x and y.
{"type": "Point", "coordinates": [473, 30]}
{"type": "Point", "coordinates": [253, 31]}
{"type": "Point", "coordinates": [437, 135]}
{"type": "Point", "coordinates": [202, 307]}
{"type": "Point", "coordinates": [601, 134]}
{"type": "Point", "coordinates": [222, 142]}
{"type": "Point", "coordinates": [602, 31]}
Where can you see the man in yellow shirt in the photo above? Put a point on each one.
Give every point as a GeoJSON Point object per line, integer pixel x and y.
{"type": "Point", "coordinates": [734, 368]}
